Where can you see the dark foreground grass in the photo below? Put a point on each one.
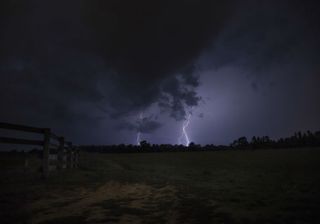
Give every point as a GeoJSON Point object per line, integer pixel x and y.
{"type": "Point", "coordinates": [263, 186]}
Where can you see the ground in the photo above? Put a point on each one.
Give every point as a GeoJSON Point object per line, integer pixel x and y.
{"type": "Point", "coordinates": [248, 186]}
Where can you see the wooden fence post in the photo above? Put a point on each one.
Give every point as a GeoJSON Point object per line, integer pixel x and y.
{"type": "Point", "coordinates": [69, 157]}
{"type": "Point", "coordinates": [45, 159]}
{"type": "Point", "coordinates": [26, 160]}
{"type": "Point", "coordinates": [73, 158]}
{"type": "Point", "coordinates": [76, 158]}
{"type": "Point", "coordinates": [61, 153]}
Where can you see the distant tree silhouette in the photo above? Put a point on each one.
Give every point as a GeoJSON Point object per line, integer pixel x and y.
{"type": "Point", "coordinates": [299, 139]}
{"type": "Point", "coordinates": [145, 146]}
{"type": "Point", "coordinates": [242, 142]}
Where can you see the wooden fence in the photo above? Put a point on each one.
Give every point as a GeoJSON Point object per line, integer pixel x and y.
{"type": "Point", "coordinates": [57, 154]}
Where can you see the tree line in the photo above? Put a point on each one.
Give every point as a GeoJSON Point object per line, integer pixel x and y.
{"type": "Point", "coordinates": [299, 139]}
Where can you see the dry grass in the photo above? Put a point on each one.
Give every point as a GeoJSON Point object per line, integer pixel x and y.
{"type": "Point", "coordinates": [265, 186]}
{"type": "Point", "coordinates": [98, 205]}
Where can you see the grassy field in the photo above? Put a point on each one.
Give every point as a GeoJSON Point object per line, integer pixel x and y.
{"type": "Point", "coordinates": [263, 186]}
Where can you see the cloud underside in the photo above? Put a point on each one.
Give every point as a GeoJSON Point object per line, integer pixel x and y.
{"type": "Point", "coordinates": [119, 57]}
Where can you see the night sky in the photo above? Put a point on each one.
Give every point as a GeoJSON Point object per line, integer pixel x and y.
{"type": "Point", "coordinates": [99, 72]}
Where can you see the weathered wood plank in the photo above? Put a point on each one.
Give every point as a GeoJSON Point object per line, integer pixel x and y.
{"type": "Point", "coordinates": [55, 137]}
{"type": "Point", "coordinates": [21, 128]}
{"type": "Point", "coordinates": [46, 151]}
{"type": "Point", "coordinates": [20, 141]}
{"type": "Point", "coordinates": [53, 157]}
{"type": "Point", "coordinates": [61, 153]}
{"type": "Point", "coordinates": [54, 145]}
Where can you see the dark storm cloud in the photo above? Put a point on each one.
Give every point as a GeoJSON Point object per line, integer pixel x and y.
{"type": "Point", "coordinates": [90, 63]}
{"type": "Point", "coordinates": [151, 39]}
{"type": "Point", "coordinates": [268, 54]}
{"type": "Point", "coordinates": [262, 35]}
{"type": "Point", "coordinates": [178, 94]}
{"type": "Point", "coordinates": [116, 56]}
{"type": "Point", "coordinates": [148, 42]}
{"type": "Point", "coordinates": [146, 125]}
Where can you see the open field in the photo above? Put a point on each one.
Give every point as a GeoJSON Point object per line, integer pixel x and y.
{"type": "Point", "coordinates": [262, 186]}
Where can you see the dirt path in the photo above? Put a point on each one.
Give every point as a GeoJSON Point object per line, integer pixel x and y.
{"type": "Point", "coordinates": [111, 203]}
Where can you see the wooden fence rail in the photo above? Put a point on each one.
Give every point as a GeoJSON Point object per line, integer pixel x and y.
{"type": "Point", "coordinates": [57, 154]}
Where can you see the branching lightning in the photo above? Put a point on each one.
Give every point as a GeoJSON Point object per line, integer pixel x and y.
{"type": "Point", "coordinates": [184, 138]}
{"type": "Point", "coordinates": [138, 138]}
{"type": "Point", "coordinates": [138, 130]}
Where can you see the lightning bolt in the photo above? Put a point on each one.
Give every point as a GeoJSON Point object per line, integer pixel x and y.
{"type": "Point", "coordinates": [139, 132]}
{"type": "Point", "coordinates": [184, 135]}
{"type": "Point", "coordinates": [138, 138]}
